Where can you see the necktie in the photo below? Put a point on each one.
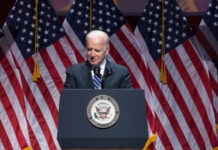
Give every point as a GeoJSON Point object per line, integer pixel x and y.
{"type": "Point", "coordinates": [97, 82]}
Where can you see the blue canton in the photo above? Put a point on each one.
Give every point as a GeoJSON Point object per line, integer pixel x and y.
{"type": "Point", "coordinates": [21, 22]}
{"type": "Point", "coordinates": [105, 17]}
{"type": "Point", "coordinates": [176, 26]}
{"type": "Point", "coordinates": [211, 17]}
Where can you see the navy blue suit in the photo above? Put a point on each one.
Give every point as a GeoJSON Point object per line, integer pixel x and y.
{"type": "Point", "coordinates": [79, 76]}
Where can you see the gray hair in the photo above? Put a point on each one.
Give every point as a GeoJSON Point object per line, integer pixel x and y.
{"type": "Point", "coordinates": [98, 33]}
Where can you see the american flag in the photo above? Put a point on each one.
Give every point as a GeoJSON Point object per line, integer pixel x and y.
{"type": "Point", "coordinates": [180, 112]}
{"type": "Point", "coordinates": [206, 43]}
{"type": "Point", "coordinates": [41, 99]}
{"type": "Point", "coordinates": [12, 111]}
{"type": "Point", "coordinates": [124, 48]}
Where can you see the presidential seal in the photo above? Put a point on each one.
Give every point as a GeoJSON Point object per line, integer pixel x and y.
{"type": "Point", "coordinates": [103, 111]}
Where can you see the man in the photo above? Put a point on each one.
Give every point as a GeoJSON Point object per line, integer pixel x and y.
{"type": "Point", "coordinates": [97, 72]}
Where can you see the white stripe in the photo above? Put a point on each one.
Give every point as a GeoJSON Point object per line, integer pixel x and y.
{"type": "Point", "coordinates": [75, 40]}
{"type": "Point", "coordinates": [8, 128]}
{"type": "Point", "coordinates": [68, 50]}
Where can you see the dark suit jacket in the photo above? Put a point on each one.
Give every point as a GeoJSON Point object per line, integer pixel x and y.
{"type": "Point", "coordinates": [79, 76]}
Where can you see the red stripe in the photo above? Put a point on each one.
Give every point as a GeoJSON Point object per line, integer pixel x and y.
{"type": "Point", "coordinates": [116, 56]}
{"type": "Point", "coordinates": [52, 72]}
{"type": "Point", "coordinates": [206, 45]}
{"type": "Point", "coordinates": [199, 68]}
{"type": "Point", "coordinates": [163, 135]}
{"type": "Point", "coordinates": [4, 138]}
{"type": "Point", "coordinates": [168, 111]}
{"type": "Point", "coordinates": [184, 109]}
{"type": "Point", "coordinates": [13, 118]}
{"type": "Point", "coordinates": [35, 108]}
{"type": "Point", "coordinates": [194, 94]}
{"type": "Point", "coordinates": [62, 55]}
{"type": "Point", "coordinates": [135, 55]}
{"type": "Point", "coordinates": [77, 53]}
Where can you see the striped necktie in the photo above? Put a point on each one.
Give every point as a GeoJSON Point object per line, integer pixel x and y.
{"type": "Point", "coordinates": [97, 82]}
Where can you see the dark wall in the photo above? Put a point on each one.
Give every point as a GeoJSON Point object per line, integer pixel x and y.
{"type": "Point", "coordinates": [6, 5]}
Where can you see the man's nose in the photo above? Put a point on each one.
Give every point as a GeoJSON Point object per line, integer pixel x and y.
{"type": "Point", "coordinates": [92, 53]}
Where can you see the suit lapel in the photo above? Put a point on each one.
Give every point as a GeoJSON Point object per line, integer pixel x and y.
{"type": "Point", "coordinates": [87, 76]}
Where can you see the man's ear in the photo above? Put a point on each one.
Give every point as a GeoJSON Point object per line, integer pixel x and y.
{"type": "Point", "coordinates": [107, 49]}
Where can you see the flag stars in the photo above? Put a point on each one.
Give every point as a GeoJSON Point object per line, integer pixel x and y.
{"type": "Point", "coordinates": [170, 29]}
{"type": "Point", "coordinates": [45, 40]}
{"type": "Point", "coordinates": [18, 19]}
{"type": "Point", "coordinates": [29, 6]}
{"type": "Point", "coordinates": [27, 14]}
{"type": "Point", "coordinates": [28, 50]}
{"type": "Point", "coordinates": [31, 33]}
{"type": "Point", "coordinates": [42, 13]}
{"type": "Point", "coordinates": [11, 16]}
{"type": "Point", "coordinates": [40, 21]}
{"type": "Point", "coordinates": [43, 4]}
{"type": "Point", "coordinates": [158, 50]}
{"type": "Point", "coordinates": [25, 22]}
{"type": "Point", "coordinates": [160, 42]}
{"type": "Point", "coordinates": [72, 11]}
{"type": "Point", "coordinates": [184, 34]}
{"type": "Point", "coordinates": [53, 35]}
{"type": "Point", "coordinates": [215, 24]}
{"type": "Point", "coordinates": [85, 32]}
{"type": "Point", "coordinates": [175, 40]}
{"type": "Point", "coordinates": [24, 30]}
{"type": "Point", "coordinates": [149, 29]}
{"type": "Point", "coordinates": [46, 32]}
{"type": "Point", "coordinates": [78, 21]}
{"type": "Point", "coordinates": [22, 39]}
{"type": "Point", "coordinates": [108, 30]}
{"type": "Point", "coordinates": [100, 3]}
{"type": "Point", "coordinates": [20, 11]}
{"type": "Point", "coordinates": [108, 13]}
{"type": "Point", "coordinates": [208, 13]}
{"type": "Point", "coordinates": [80, 5]}
{"type": "Point", "coordinates": [33, 25]}
{"type": "Point", "coordinates": [79, 13]}
{"type": "Point", "coordinates": [153, 39]}
{"type": "Point", "coordinates": [29, 42]}
{"type": "Point", "coordinates": [47, 24]}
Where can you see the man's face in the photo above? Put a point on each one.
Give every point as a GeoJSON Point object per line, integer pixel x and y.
{"type": "Point", "coordinates": [96, 51]}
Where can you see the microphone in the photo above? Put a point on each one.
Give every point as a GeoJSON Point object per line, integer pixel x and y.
{"type": "Point", "coordinates": [97, 71]}
{"type": "Point", "coordinates": [108, 71]}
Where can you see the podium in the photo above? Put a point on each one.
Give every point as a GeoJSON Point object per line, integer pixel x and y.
{"type": "Point", "coordinates": [76, 132]}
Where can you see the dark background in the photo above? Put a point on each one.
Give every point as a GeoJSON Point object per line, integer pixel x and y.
{"type": "Point", "coordinates": [6, 5]}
